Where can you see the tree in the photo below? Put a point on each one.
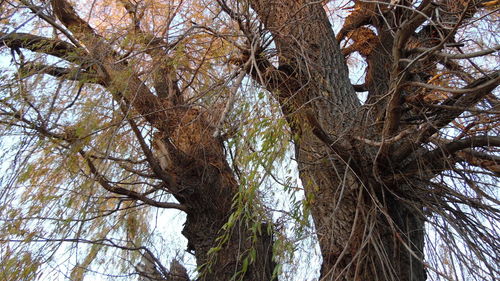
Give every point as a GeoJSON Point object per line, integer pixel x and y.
{"type": "Point", "coordinates": [121, 107]}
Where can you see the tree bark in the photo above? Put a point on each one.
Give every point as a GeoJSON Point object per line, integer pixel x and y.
{"type": "Point", "coordinates": [364, 229]}
{"type": "Point", "coordinates": [207, 188]}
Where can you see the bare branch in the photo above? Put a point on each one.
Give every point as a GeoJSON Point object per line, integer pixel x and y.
{"type": "Point", "coordinates": [471, 95]}
{"type": "Point", "coordinates": [487, 84]}
{"type": "Point", "coordinates": [79, 27]}
{"type": "Point", "coordinates": [52, 21]}
{"type": "Point", "coordinates": [74, 74]}
{"type": "Point", "coordinates": [484, 52]}
{"type": "Point", "coordinates": [396, 138]}
{"type": "Point", "coordinates": [479, 159]}
{"type": "Point", "coordinates": [437, 159]}
{"type": "Point", "coordinates": [153, 162]}
{"type": "Point", "coordinates": [232, 97]}
{"type": "Point", "coordinates": [454, 146]}
{"type": "Point", "coordinates": [126, 192]}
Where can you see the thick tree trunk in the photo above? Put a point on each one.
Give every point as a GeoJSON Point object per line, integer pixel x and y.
{"type": "Point", "coordinates": [365, 231]}
{"type": "Point", "coordinates": [207, 187]}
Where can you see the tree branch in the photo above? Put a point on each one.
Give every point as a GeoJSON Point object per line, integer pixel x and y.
{"type": "Point", "coordinates": [134, 90]}
{"type": "Point", "coordinates": [471, 95]}
{"type": "Point", "coordinates": [68, 16]}
{"type": "Point", "coordinates": [153, 162]}
{"type": "Point", "coordinates": [129, 193]}
{"type": "Point", "coordinates": [360, 87]}
{"type": "Point", "coordinates": [74, 74]}
{"type": "Point", "coordinates": [437, 159]}
{"type": "Point", "coordinates": [51, 20]}
{"type": "Point", "coordinates": [454, 146]}
{"type": "Point", "coordinates": [39, 44]}
{"type": "Point", "coordinates": [480, 159]}
{"type": "Point", "coordinates": [466, 90]}
{"type": "Point", "coordinates": [457, 56]}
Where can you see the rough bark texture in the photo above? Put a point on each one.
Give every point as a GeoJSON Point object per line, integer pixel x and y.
{"type": "Point", "coordinates": [358, 241]}
{"type": "Point", "coordinates": [207, 187]}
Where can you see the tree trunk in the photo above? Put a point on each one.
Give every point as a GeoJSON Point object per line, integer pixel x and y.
{"type": "Point", "coordinates": [361, 237]}
{"type": "Point", "coordinates": [207, 188]}
{"type": "Point", "coordinates": [364, 229]}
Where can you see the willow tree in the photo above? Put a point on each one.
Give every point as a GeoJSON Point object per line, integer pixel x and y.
{"type": "Point", "coordinates": [113, 109]}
